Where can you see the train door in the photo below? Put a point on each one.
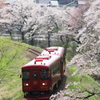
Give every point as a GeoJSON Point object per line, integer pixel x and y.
{"type": "Point", "coordinates": [35, 80]}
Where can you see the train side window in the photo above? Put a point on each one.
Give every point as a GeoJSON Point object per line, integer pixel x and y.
{"type": "Point", "coordinates": [35, 76]}
{"type": "Point", "coordinates": [56, 68]}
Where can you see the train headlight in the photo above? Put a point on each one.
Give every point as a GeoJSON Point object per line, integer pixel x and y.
{"type": "Point", "coordinates": [44, 83]}
{"type": "Point", "coordinates": [26, 84]}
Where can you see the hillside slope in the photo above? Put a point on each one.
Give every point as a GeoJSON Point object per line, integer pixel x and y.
{"type": "Point", "coordinates": [12, 58]}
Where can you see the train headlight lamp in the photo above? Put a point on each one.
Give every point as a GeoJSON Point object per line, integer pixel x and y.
{"type": "Point", "coordinates": [26, 84]}
{"type": "Point", "coordinates": [44, 83]}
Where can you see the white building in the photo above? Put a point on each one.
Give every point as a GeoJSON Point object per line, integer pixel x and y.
{"type": "Point", "coordinates": [47, 2]}
{"type": "Point", "coordinates": [55, 2]}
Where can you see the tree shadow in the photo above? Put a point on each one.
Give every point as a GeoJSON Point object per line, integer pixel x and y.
{"type": "Point", "coordinates": [61, 85]}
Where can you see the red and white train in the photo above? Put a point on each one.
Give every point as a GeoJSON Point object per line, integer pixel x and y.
{"type": "Point", "coordinates": [42, 74]}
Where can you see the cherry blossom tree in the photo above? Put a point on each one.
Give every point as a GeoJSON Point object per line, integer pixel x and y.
{"type": "Point", "coordinates": [23, 17]}
{"type": "Point", "coordinates": [76, 19]}
{"type": "Point", "coordinates": [2, 4]}
{"type": "Point", "coordinates": [89, 35]}
{"type": "Point", "coordinates": [29, 19]}
{"type": "Point", "coordinates": [53, 21]}
{"type": "Point", "coordinates": [88, 59]}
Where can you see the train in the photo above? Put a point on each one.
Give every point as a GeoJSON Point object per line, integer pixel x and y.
{"type": "Point", "coordinates": [43, 74]}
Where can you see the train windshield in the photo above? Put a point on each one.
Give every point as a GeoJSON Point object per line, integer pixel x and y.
{"type": "Point", "coordinates": [44, 74]}
{"type": "Point", "coordinates": [35, 76]}
{"type": "Point", "coordinates": [25, 74]}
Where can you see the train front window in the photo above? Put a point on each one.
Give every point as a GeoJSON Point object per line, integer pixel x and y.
{"type": "Point", "coordinates": [44, 74]}
{"type": "Point", "coordinates": [25, 74]}
{"type": "Point", "coordinates": [35, 76]}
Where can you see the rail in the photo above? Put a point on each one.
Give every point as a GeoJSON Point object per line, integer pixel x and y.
{"type": "Point", "coordinates": [34, 51]}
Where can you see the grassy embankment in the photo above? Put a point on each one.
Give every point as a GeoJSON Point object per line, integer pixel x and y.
{"type": "Point", "coordinates": [87, 85]}
{"type": "Point", "coordinates": [12, 58]}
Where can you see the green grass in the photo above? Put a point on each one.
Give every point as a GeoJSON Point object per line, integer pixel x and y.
{"type": "Point", "coordinates": [11, 84]}
{"type": "Point", "coordinates": [11, 88]}
{"type": "Point", "coordinates": [86, 82]}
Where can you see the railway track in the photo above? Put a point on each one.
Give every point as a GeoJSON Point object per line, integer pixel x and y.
{"type": "Point", "coordinates": [34, 51]}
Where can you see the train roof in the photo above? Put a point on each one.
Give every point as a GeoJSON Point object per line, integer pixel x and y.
{"type": "Point", "coordinates": [53, 50]}
{"type": "Point", "coordinates": [47, 57]}
{"type": "Point", "coordinates": [43, 60]}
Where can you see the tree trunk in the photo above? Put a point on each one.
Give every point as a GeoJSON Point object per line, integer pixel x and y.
{"type": "Point", "coordinates": [32, 42]}
{"type": "Point", "coordinates": [23, 36]}
{"type": "Point", "coordinates": [48, 40]}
